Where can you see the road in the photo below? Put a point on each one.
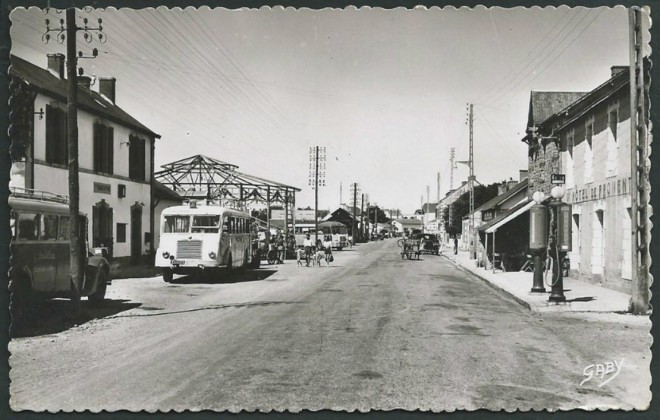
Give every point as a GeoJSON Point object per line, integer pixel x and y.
{"type": "Point", "coordinates": [371, 331]}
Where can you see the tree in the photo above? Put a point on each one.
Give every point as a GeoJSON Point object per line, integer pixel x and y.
{"type": "Point", "coordinates": [461, 207]}
{"type": "Point", "coordinates": [382, 218]}
{"type": "Point", "coordinates": [22, 112]}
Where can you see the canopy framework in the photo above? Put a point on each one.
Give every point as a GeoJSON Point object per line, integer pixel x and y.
{"type": "Point", "coordinates": [202, 177]}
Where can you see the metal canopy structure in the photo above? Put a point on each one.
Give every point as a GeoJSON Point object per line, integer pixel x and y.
{"type": "Point", "coordinates": [202, 177]}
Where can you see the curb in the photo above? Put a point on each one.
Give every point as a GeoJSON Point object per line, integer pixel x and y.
{"type": "Point", "coordinates": [493, 286]}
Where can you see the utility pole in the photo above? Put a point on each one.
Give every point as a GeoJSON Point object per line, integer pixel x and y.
{"type": "Point", "coordinates": [67, 32]}
{"type": "Point", "coordinates": [438, 191]}
{"type": "Point", "coordinates": [316, 180]}
{"type": "Point", "coordinates": [353, 223]}
{"type": "Point", "coordinates": [452, 166]}
{"type": "Point", "coordinates": [470, 162]}
{"type": "Point", "coordinates": [362, 219]}
{"type": "Point", "coordinates": [640, 187]}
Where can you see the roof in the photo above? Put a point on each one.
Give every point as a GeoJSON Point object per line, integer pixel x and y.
{"type": "Point", "coordinates": [409, 222]}
{"type": "Point", "coordinates": [496, 201]}
{"type": "Point", "coordinates": [43, 80]}
{"type": "Point", "coordinates": [542, 105]}
{"type": "Point", "coordinates": [506, 216]}
{"type": "Point", "coordinates": [161, 191]}
{"type": "Point", "coordinates": [429, 207]}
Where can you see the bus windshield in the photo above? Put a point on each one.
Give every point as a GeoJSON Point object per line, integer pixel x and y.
{"type": "Point", "coordinates": [206, 224]}
{"type": "Point", "coordinates": [176, 224]}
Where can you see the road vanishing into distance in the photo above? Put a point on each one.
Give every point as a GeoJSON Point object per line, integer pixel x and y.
{"type": "Point", "coordinates": [372, 331]}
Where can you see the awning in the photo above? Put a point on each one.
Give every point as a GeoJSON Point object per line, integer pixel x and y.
{"type": "Point", "coordinates": [506, 217]}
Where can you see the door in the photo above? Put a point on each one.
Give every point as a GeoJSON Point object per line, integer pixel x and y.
{"type": "Point", "coordinates": [102, 226]}
{"type": "Point", "coordinates": [136, 233]}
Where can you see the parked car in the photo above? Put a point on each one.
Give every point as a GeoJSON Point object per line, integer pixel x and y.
{"type": "Point", "coordinates": [429, 243]}
{"type": "Point", "coordinates": [40, 249]}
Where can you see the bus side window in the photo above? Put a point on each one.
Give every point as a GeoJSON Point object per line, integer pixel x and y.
{"type": "Point", "coordinates": [63, 234]}
{"type": "Point", "coordinates": [48, 227]}
{"type": "Point", "coordinates": [28, 226]}
{"type": "Point", "coordinates": [12, 224]}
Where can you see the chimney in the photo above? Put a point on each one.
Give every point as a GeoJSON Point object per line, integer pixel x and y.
{"type": "Point", "coordinates": [524, 173]}
{"type": "Point", "coordinates": [618, 69]}
{"type": "Point", "coordinates": [85, 81]}
{"type": "Point", "coordinates": [107, 87]}
{"type": "Point", "coordinates": [56, 65]}
{"type": "Point", "coordinates": [511, 184]}
{"type": "Point", "coordinates": [501, 188]}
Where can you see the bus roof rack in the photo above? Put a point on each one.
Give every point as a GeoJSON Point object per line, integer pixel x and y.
{"type": "Point", "coordinates": [39, 195]}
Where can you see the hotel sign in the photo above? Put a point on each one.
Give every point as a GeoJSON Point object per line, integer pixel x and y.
{"type": "Point", "coordinates": [598, 190]}
{"type": "Point", "coordinates": [102, 188]}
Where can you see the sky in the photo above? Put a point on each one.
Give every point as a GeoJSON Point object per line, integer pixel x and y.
{"type": "Point", "coordinates": [385, 91]}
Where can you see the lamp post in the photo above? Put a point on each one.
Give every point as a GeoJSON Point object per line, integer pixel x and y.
{"type": "Point", "coordinates": [538, 240]}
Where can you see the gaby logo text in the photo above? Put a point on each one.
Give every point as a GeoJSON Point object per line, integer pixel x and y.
{"type": "Point", "coordinates": [603, 371]}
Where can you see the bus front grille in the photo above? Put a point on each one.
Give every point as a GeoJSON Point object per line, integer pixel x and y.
{"type": "Point", "coordinates": [189, 250]}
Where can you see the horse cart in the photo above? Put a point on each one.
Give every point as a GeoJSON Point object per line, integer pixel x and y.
{"type": "Point", "coordinates": [410, 248]}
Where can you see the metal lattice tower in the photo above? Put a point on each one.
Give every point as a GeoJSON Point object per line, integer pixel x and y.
{"type": "Point", "coordinates": [640, 188]}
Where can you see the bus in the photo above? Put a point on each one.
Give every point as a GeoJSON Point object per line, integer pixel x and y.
{"type": "Point", "coordinates": [302, 229]}
{"type": "Point", "coordinates": [202, 239]}
{"type": "Point", "coordinates": [40, 248]}
{"type": "Point", "coordinates": [338, 231]}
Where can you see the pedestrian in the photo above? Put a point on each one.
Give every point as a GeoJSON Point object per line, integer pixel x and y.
{"type": "Point", "coordinates": [307, 244]}
{"type": "Point", "coordinates": [299, 256]}
{"type": "Point", "coordinates": [280, 249]}
{"type": "Point", "coordinates": [328, 250]}
{"type": "Point", "coordinates": [455, 245]}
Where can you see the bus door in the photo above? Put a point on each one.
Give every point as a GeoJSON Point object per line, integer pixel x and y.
{"type": "Point", "coordinates": [42, 253]}
{"type": "Point", "coordinates": [225, 239]}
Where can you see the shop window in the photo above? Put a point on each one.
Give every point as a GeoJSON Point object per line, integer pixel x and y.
{"type": "Point", "coordinates": [56, 136]}
{"type": "Point", "coordinates": [121, 233]}
{"type": "Point", "coordinates": [103, 148]}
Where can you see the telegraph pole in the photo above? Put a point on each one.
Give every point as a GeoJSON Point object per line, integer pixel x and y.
{"type": "Point", "coordinates": [640, 187]}
{"type": "Point", "coordinates": [354, 210]}
{"type": "Point", "coordinates": [452, 166]}
{"type": "Point", "coordinates": [473, 236]}
{"type": "Point", "coordinates": [67, 32]}
{"type": "Point", "coordinates": [317, 179]}
{"type": "Point", "coordinates": [362, 218]}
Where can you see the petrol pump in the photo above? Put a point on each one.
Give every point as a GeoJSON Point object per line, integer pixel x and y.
{"type": "Point", "coordinates": [553, 237]}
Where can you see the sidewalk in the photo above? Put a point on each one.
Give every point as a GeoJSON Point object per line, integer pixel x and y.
{"type": "Point", "coordinates": [580, 296]}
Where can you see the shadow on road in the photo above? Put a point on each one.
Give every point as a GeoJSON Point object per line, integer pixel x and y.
{"type": "Point", "coordinates": [57, 315]}
{"type": "Point", "coordinates": [236, 277]}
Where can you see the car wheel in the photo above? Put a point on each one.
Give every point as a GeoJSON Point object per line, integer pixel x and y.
{"type": "Point", "coordinates": [168, 275]}
{"type": "Point", "coordinates": [101, 286]}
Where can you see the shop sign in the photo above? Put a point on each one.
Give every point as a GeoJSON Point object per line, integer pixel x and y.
{"type": "Point", "coordinates": [558, 179]}
{"type": "Point", "coordinates": [598, 190]}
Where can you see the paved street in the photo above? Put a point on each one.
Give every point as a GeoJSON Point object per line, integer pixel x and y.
{"type": "Point", "coordinates": [371, 331]}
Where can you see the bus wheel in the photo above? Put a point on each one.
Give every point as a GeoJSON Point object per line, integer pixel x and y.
{"type": "Point", "coordinates": [168, 275]}
{"type": "Point", "coordinates": [101, 286]}
{"type": "Point", "coordinates": [20, 304]}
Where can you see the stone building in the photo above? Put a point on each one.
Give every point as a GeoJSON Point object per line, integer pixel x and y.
{"type": "Point", "coordinates": [588, 141]}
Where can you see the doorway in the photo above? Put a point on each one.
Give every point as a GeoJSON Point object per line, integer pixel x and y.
{"type": "Point", "coordinates": [136, 233]}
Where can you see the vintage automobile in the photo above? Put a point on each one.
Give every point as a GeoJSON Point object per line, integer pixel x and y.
{"type": "Point", "coordinates": [39, 223]}
{"type": "Point", "coordinates": [429, 243]}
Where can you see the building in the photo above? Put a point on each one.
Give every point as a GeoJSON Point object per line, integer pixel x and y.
{"type": "Point", "coordinates": [588, 141]}
{"type": "Point", "coordinates": [445, 204]}
{"type": "Point", "coordinates": [115, 155]}
{"type": "Point", "coordinates": [407, 225]}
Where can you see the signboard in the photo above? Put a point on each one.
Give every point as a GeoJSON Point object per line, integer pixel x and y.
{"type": "Point", "coordinates": [102, 188]}
{"type": "Point", "coordinates": [598, 190]}
{"type": "Point", "coordinates": [300, 215]}
{"type": "Point", "coordinates": [558, 179]}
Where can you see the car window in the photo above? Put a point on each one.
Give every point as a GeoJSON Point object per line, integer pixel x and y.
{"type": "Point", "coordinates": [48, 228]}
{"type": "Point", "coordinates": [28, 225]}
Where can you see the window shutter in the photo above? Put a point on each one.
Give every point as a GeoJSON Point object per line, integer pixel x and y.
{"type": "Point", "coordinates": [97, 151]}
{"type": "Point", "coordinates": [95, 226]}
{"type": "Point", "coordinates": [143, 156]}
{"type": "Point", "coordinates": [62, 137]}
{"type": "Point", "coordinates": [111, 149]}
{"type": "Point", "coordinates": [50, 134]}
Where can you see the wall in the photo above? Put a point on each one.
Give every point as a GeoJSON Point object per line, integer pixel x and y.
{"type": "Point", "coordinates": [597, 187]}
{"type": "Point", "coordinates": [54, 178]}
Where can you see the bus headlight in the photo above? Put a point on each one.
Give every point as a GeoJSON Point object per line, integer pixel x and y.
{"type": "Point", "coordinates": [166, 254]}
{"type": "Point", "coordinates": [212, 255]}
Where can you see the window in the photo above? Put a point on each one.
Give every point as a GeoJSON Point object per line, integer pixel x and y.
{"type": "Point", "coordinates": [206, 224]}
{"type": "Point", "coordinates": [56, 136]}
{"type": "Point", "coordinates": [28, 226]}
{"type": "Point", "coordinates": [121, 233]}
{"type": "Point", "coordinates": [176, 224]}
{"type": "Point", "coordinates": [64, 228]}
{"type": "Point", "coordinates": [590, 132]}
{"type": "Point", "coordinates": [103, 148]}
{"type": "Point", "coordinates": [613, 120]}
{"type": "Point", "coordinates": [588, 151]}
{"type": "Point", "coordinates": [48, 227]}
{"type": "Point", "coordinates": [136, 158]}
